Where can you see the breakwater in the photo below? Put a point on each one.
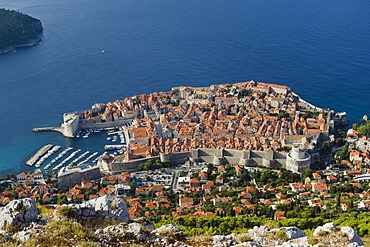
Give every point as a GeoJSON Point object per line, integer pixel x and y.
{"type": "Point", "coordinates": [31, 161]}
{"type": "Point", "coordinates": [72, 124]}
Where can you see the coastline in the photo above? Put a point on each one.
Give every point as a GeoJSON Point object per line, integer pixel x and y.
{"type": "Point", "coordinates": [28, 24]}
{"type": "Point", "coordinates": [31, 43]}
{"type": "Point", "coordinates": [219, 114]}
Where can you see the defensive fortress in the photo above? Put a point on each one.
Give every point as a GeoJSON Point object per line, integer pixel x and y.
{"type": "Point", "coordinates": [244, 123]}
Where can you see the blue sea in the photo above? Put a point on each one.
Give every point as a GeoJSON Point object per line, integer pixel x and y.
{"type": "Point", "coordinates": [99, 51]}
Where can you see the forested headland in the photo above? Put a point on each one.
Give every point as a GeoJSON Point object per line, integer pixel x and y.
{"type": "Point", "coordinates": [18, 30]}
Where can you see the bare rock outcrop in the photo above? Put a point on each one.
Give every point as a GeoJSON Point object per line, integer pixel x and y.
{"type": "Point", "coordinates": [103, 207]}
{"type": "Point", "coordinates": [135, 233]}
{"type": "Point", "coordinates": [18, 214]}
{"type": "Point", "coordinates": [5, 235]}
{"type": "Point", "coordinates": [326, 235]}
{"type": "Point", "coordinates": [169, 231]}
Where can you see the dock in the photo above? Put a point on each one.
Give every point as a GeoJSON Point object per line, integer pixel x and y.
{"type": "Point", "coordinates": [115, 132]}
{"type": "Point", "coordinates": [58, 129]}
{"type": "Point", "coordinates": [31, 161]}
{"type": "Point", "coordinates": [113, 147]}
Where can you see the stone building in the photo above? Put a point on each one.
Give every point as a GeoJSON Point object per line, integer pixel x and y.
{"type": "Point", "coordinates": [298, 160]}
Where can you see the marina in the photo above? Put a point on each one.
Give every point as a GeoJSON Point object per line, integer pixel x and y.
{"type": "Point", "coordinates": [114, 147]}
{"type": "Point", "coordinates": [75, 161]}
{"type": "Point", "coordinates": [57, 167]}
{"type": "Point", "coordinates": [47, 155]}
{"type": "Point", "coordinates": [31, 161]}
{"type": "Point", "coordinates": [88, 158]}
{"type": "Point", "coordinates": [97, 158]}
{"type": "Point", "coordinates": [57, 158]}
{"type": "Point", "coordinates": [114, 142]}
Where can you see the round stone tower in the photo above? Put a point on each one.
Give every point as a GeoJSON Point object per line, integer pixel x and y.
{"type": "Point", "coordinates": [298, 160]}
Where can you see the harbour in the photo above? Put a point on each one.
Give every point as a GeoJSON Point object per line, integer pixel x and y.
{"type": "Point", "coordinates": [47, 155]}
{"type": "Point", "coordinates": [55, 157]}
{"type": "Point", "coordinates": [31, 161]}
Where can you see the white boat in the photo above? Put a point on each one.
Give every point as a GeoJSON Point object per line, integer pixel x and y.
{"type": "Point", "coordinates": [57, 167]}
{"type": "Point", "coordinates": [88, 158]}
{"type": "Point", "coordinates": [113, 147]}
{"type": "Point", "coordinates": [80, 157]}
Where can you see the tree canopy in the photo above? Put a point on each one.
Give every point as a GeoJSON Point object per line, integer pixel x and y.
{"type": "Point", "coordinates": [364, 129]}
{"type": "Point", "coordinates": [16, 28]}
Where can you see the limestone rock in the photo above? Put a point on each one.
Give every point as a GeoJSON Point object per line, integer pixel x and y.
{"type": "Point", "coordinates": [145, 224]}
{"type": "Point", "coordinates": [248, 244]}
{"type": "Point", "coordinates": [18, 213]}
{"type": "Point", "coordinates": [223, 241]}
{"type": "Point", "coordinates": [352, 235]}
{"type": "Point", "coordinates": [122, 232]}
{"type": "Point", "coordinates": [354, 244]}
{"type": "Point", "coordinates": [5, 235]}
{"type": "Point", "coordinates": [104, 206]}
{"type": "Point", "coordinates": [293, 232]}
{"type": "Point", "coordinates": [328, 227]}
{"type": "Point", "coordinates": [22, 236]}
{"type": "Point", "coordinates": [134, 229]}
{"type": "Point", "coordinates": [119, 210]}
{"type": "Point", "coordinates": [169, 231]}
{"type": "Point", "coordinates": [258, 234]}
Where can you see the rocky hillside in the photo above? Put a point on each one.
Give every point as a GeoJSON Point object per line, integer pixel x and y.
{"type": "Point", "coordinates": [104, 222]}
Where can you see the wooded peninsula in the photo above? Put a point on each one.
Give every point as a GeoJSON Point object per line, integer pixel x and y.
{"type": "Point", "coordinates": [18, 30]}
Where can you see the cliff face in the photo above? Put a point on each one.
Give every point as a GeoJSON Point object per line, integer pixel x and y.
{"type": "Point", "coordinates": [18, 30]}
{"type": "Point", "coordinates": [36, 25]}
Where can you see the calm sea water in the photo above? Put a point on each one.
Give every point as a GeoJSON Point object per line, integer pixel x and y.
{"type": "Point", "coordinates": [318, 48]}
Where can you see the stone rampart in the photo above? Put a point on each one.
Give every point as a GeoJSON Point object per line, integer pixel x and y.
{"type": "Point", "coordinates": [97, 125]}
{"type": "Point", "coordinates": [214, 156]}
{"type": "Point", "coordinates": [129, 166]}
{"type": "Point", "coordinates": [77, 175]}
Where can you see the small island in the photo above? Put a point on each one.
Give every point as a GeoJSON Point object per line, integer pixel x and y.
{"type": "Point", "coordinates": [18, 30]}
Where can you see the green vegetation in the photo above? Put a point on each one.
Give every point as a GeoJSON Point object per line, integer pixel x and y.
{"type": "Point", "coordinates": [17, 28]}
{"type": "Point", "coordinates": [224, 225]}
{"type": "Point", "coordinates": [152, 165]}
{"type": "Point", "coordinates": [281, 235]}
{"type": "Point", "coordinates": [323, 233]}
{"type": "Point", "coordinates": [62, 199]}
{"type": "Point", "coordinates": [363, 129]}
{"type": "Point", "coordinates": [87, 244]}
{"type": "Point", "coordinates": [60, 233]}
{"type": "Point", "coordinates": [310, 114]}
{"type": "Point", "coordinates": [69, 212]}
{"type": "Point", "coordinates": [268, 176]}
{"type": "Point", "coordinates": [342, 154]}
{"type": "Point", "coordinates": [43, 210]}
{"type": "Point", "coordinates": [312, 240]}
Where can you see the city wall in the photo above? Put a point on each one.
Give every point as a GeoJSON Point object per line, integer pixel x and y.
{"type": "Point", "coordinates": [128, 166]}
{"type": "Point", "coordinates": [214, 156]}
{"type": "Point", "coordinates": [76, 176]}
{"type": "Point", "coordinates": [97, 125]}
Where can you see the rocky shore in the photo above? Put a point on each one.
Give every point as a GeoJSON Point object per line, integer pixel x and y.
{"type": "Point", "coordinates": [22, 225]}
{"type": "Point", "coordinates": [14, 47]}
